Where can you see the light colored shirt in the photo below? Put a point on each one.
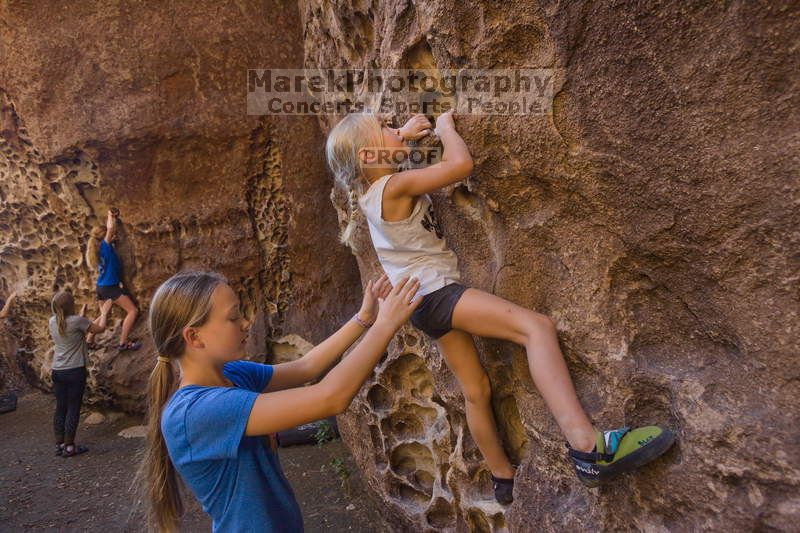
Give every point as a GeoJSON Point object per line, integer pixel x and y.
{"type": "Point", "coordinates": [414, 247]}
{"type": "Point", "coordinates": [69, 349]}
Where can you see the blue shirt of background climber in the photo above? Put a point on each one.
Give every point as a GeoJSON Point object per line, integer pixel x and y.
{"type": "Point", "coordinates": [108, 267]}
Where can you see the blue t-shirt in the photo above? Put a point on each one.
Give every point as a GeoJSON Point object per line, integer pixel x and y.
{"type": "Point", "coordinates": [237, 479]}
{"type": "Point", "coordinates": [108, 266]}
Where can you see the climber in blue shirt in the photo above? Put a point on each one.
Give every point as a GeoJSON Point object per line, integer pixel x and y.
{"type": "Point", "coordinates": [100, 255]}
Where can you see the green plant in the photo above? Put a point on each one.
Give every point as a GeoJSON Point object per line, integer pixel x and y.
{"type": "Point", "coordinates": [324, 433]}
{"type": "Point", "coordinates": [341, 471]}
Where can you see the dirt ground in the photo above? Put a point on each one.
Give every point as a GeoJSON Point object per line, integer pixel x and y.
{"type": "Point", "coordinates": [92, 492]}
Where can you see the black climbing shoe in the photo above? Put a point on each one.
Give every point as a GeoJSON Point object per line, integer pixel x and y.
{"type": "Point", "coordinates": [618, 451]}
{"type": "Point", "coordinates": [503, 490]}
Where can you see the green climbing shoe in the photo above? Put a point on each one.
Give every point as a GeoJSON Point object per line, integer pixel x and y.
{"type": "Point", "coordinates": [618, 451]}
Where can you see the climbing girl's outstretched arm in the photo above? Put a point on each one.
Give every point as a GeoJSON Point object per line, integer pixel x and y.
{"type": "Point", "coordinates": [111, 226]}
{"type": "Point", "coordinates": [322, 356]}
{"type": "Point", "coordinates": [456, 164]}
{"type": "Point", "coordinates": [276, 411]}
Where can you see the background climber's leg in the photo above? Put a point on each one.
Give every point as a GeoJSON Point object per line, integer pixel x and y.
{"type": "Point", "coordinates": [127, 304]}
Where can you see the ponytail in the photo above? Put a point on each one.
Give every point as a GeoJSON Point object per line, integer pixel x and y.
{"type": "Point", "coordinates": [62, 305]}
{"type": "Point", "coordinates": [93, 247]}
{"type": "Point", "coordinates": [184, 300]}
{"type": "Point", "coordinates": [162, 492]}
{"type": "Point", "coordinates": [346, 236]}
{"type": "Point", "coordinates": [61, 321]}
{"type": "Point", "coordinates": [351, 134]}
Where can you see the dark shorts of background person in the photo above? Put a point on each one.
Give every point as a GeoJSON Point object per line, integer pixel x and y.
{"type": "Point", "coordinates": [109, 292]}
{"type": "Point", "coordinates": [434, 316]}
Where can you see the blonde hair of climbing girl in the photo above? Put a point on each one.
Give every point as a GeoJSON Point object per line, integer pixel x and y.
{"type": "Point", "coordinates": [344, 144]}
{"type": "Point", "coordinates": [208, 422]}
{"type": "Point", "coordinates": [452, 313]}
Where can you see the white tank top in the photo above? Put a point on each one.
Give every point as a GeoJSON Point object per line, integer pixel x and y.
{"type": "Point", "coordinates": [413, 247]}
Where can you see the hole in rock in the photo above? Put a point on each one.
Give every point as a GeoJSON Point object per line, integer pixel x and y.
{"type": "Point", "coordinates": [499, 522]}
{"type": "Point", "coordinates": [408, 421]}
{"type": "Point", "coordinates": [440, 514]}
{"type": "Point", "coordinates": [410, 340]}
{"type": "Point", "coordinates": [409, 374]}
{"type": "Point", "coordinates": [408, 457]}
{"type": "Point", "coordinates": [377, 441]}
{"type": "Point", "coordinates": [425, 480]}
{"type": "Point", "coordinates": [414, 462]}
{"type": "Point", "coordinates": [410, 497]}
{"type": "Point", "coordinates": [476, 521]}
{"type": "Point", "coordinates": [379, 398]}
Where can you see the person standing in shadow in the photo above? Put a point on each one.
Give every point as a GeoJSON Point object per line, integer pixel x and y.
{"type": "Point", "coordinates": [68, 331]}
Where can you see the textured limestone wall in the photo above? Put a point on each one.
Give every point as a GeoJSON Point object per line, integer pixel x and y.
{"type": "Point", "coordinates": [142, 107]}
{"type": "Point", "coordinates": [653, 214]}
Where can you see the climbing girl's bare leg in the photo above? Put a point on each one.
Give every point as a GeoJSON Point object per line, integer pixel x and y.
{"type": "Point", "coordinates": [458, 350]}
{"type": "Point", "coordinates": [487, 315]}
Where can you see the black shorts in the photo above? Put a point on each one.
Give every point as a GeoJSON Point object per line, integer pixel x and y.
{"type": "Point", "coordinates": [434, 316]}
{"type": "Point", "coordinates": [109, 292]}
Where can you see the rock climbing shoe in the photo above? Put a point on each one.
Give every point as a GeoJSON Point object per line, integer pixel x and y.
{"type": "Point", "coordinates": [503, 490]}
{"type": "Point", "coordinates": [130, 345]}
{"type": "Point", "coordinates": [618, 451]}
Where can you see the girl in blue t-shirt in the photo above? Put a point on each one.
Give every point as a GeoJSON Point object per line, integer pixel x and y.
{"type": "Point", "coordinates": [212, 430]}
{"type": "Point", "coordinates": [100, 255]}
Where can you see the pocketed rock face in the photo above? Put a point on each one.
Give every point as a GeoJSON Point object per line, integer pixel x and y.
{"type": "Point", "coordinates": [653, 215]}
{"type": "Point", "coordinates": [143, 108]}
